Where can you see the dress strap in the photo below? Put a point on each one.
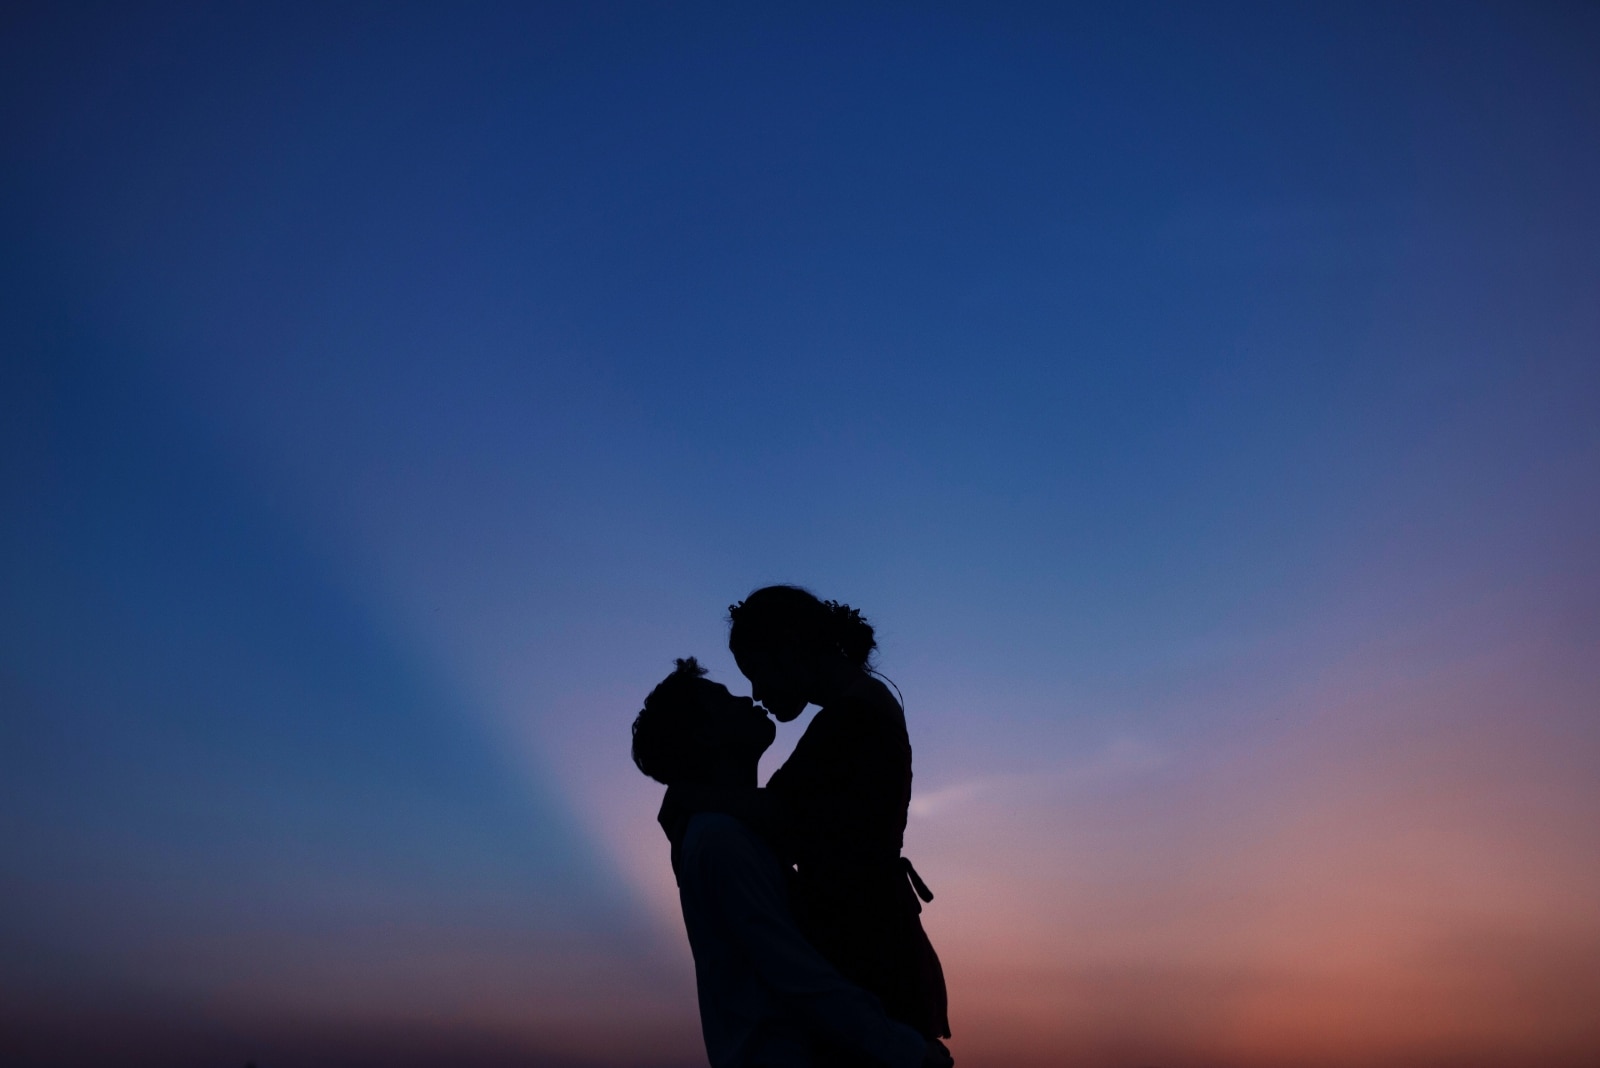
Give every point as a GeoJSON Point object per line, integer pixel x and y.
{"type": "Point", "coordinates": [916, 881]}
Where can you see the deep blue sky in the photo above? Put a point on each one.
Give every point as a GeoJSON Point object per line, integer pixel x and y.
{"type": "Point", "coordinates": [389, 392]}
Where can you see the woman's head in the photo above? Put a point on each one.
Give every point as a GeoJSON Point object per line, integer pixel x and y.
{"type": "Point", "coordinates": [785, 640]}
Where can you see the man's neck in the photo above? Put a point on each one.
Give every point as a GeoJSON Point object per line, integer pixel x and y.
{"type": "Point", "coordinates": [732, 794]}
{"type": "Point", "coordinates": [737, 776]}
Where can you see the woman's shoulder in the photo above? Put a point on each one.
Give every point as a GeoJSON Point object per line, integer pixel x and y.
{"type": "Point", "coordinates": [870, 694]}
{"type": "Point", "coordinates": [863, 712]}
{"type": "Point", "coordinates": [869, 708]}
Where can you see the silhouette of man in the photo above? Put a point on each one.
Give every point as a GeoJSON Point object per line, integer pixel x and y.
{"type": "Point", "coordinates": [767, 998]}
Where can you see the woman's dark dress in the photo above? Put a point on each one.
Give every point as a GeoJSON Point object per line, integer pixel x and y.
{"type": "Point", "coordinates": [839, 806]}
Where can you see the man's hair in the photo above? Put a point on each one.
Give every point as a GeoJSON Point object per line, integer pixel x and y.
{"type": "Point", "coordinates": [664, 730]}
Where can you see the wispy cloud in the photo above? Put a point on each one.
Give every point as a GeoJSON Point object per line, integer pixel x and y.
{"type": "Point", "coordinates": [1120, 759]}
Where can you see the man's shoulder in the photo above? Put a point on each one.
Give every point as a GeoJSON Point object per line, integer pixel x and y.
{"type": "Point", "coordinates": [703, 824]}
{"type": "Point", "coordinates": [715, 831]}
{"type": "Point", "coordinates": [716, 843]}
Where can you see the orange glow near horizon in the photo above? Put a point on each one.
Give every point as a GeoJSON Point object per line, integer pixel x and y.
{"type": "Point", "coordinates": [1385, 884]}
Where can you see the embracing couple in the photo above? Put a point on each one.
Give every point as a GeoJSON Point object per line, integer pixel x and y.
{"type": "Point", "coordinates": [802, 915]}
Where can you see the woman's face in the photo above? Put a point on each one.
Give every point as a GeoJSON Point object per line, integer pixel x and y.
{"type": "Point", "coordinates": [775, 681]}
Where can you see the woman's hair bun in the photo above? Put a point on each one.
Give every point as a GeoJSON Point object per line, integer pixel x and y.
{"type": "Point", "coordinates": [851, 632]}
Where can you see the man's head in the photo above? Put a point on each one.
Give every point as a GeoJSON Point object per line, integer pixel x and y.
{"type": "Point", "coordinates": [692, 730]}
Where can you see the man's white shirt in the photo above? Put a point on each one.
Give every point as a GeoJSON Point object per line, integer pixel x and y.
{"type": "Point", "coordinates": [763, 988]}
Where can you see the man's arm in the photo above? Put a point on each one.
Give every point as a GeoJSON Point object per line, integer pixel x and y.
{"type": "Point", "coordinates": [744, 880]}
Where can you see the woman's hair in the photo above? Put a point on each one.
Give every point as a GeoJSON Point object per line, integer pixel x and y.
{"type": "Point", "coordinates": [774, 616]}
{"type": "Point", "coordinates": [664, 730]}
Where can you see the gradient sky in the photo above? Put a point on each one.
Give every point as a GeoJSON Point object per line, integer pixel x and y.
{"type": "Point", "coordinates": [1203, 401]}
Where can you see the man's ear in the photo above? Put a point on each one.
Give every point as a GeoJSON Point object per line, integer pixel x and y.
{"type": "Point", "coordinates": [706, 739]}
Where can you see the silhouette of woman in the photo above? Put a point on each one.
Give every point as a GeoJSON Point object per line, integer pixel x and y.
{"type": "Point", "coordinates": [837, 806]}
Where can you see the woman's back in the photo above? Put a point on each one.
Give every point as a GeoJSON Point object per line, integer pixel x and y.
{"type": "Point", "coordinates": [842, 795]}
{"type": "Point", "coordinates": [839, 806]}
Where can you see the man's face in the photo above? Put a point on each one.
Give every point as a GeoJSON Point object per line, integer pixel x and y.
{"type": "Point", "coordinates": [736, 726]}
